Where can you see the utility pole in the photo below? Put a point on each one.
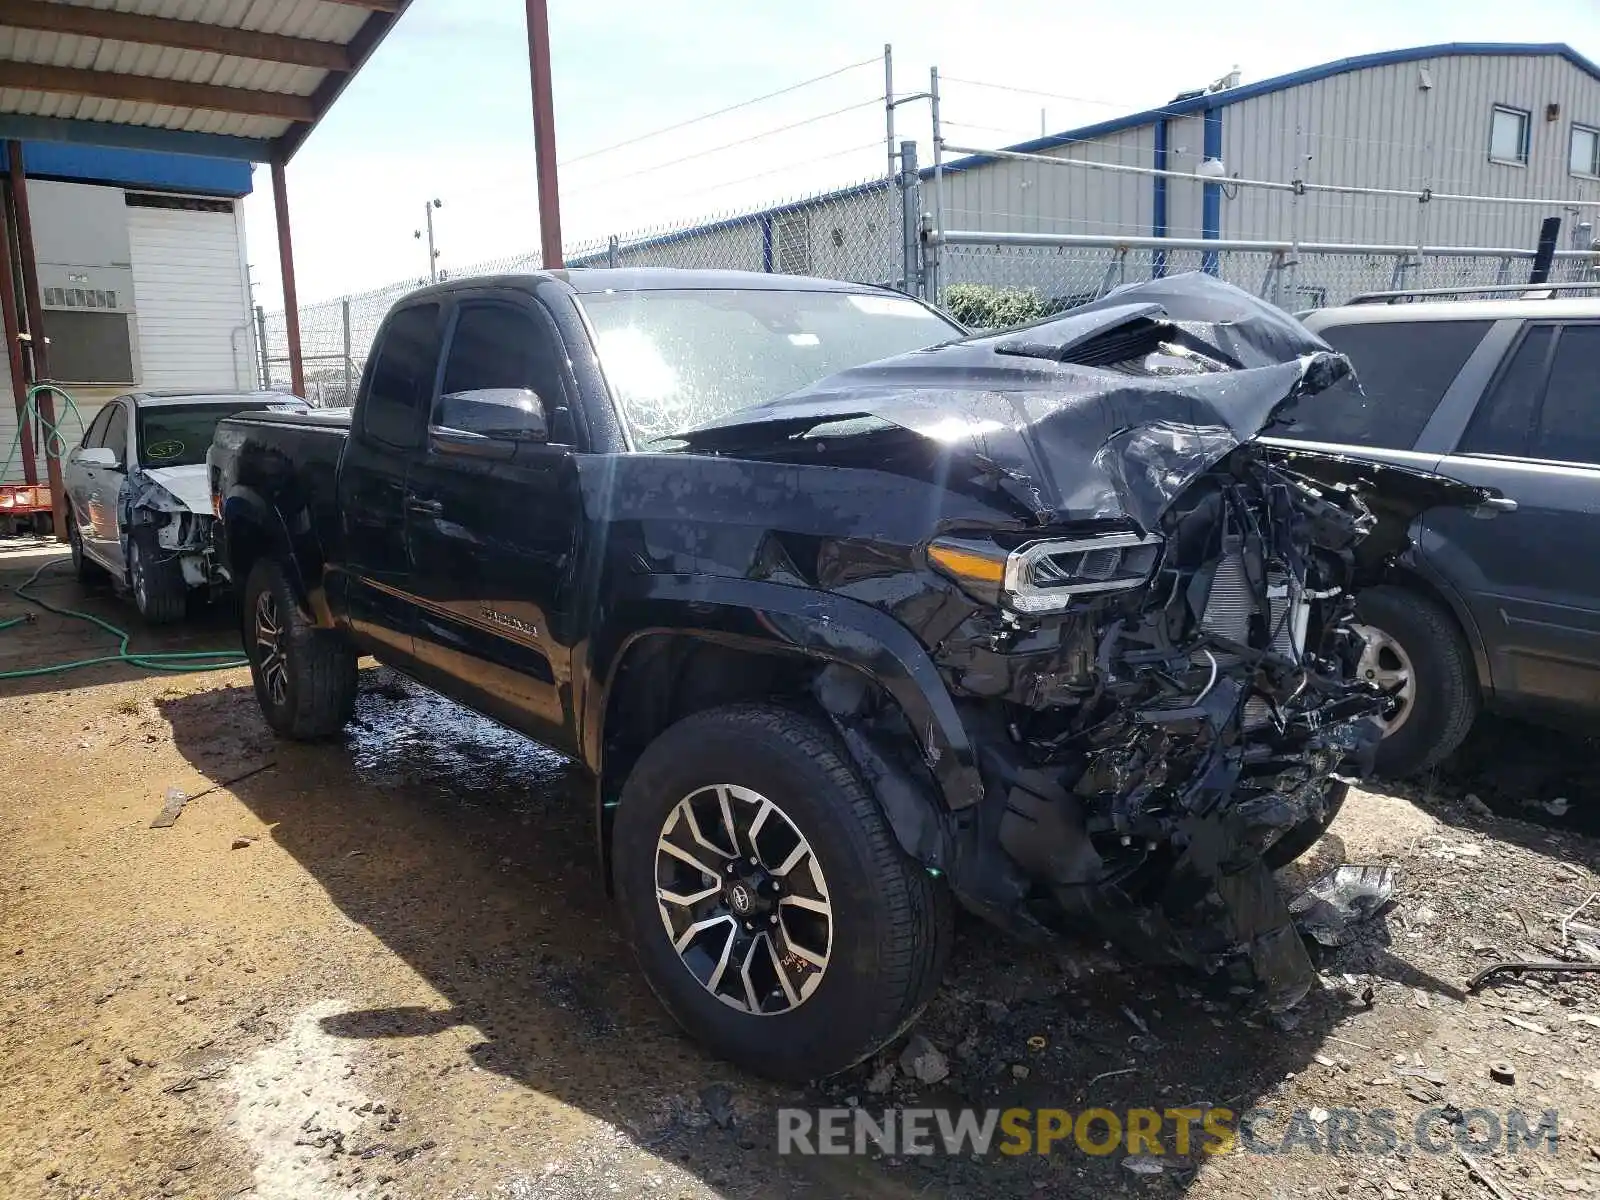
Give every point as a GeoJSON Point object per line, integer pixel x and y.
{"type": "Point", "coordinates": [544, 136]}
{"type": "Point", "coordinates": [433, 255]}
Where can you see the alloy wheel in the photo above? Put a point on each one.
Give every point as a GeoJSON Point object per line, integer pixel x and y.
{"type": "Point", "coordinates": [743, 899]}
{"type": "Point", "coordinates": [141, 581]}
{"type": "Point", "coordinates": [1385, 664]}
{"type": "Point", "coordinates": [273, 665]}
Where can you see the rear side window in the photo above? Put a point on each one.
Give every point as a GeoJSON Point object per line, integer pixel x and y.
{"type": "Point", "coordinates": [1403, 369]}
{"type": "Point", "coordinates": [402, 378]}
{"type": "Point", "coordinates": [1568, 428]}
{"type": "Point", "coordinates": [1505, 419]}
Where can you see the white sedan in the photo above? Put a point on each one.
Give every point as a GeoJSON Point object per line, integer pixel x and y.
{"type": "Point", "coordinates": [139, 497]}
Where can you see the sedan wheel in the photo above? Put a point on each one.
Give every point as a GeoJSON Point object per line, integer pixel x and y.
{"type": "Point", "coordinates": [1385, 664]}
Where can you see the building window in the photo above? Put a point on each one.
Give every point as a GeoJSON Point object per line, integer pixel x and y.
{"type": "Point", "coordinates": [1585, 151]}
{"type": "Point", "coordinates": [1508, 135]}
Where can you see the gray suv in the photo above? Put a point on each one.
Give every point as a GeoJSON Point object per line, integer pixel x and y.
{"type": "Point", "coordinates": [1501, 612]}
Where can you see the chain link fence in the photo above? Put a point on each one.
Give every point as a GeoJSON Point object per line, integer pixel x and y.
{"type": "Point", "coordinates": [873, 233]}
{"type": "Point", "coordinates": [856, 233]}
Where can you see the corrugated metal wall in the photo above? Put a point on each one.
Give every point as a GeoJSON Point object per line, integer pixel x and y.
{"type": "Point", "coordinates": [1380, 127]}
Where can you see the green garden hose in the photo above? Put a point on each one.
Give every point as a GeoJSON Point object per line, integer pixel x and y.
{"type": "Point", "coordinates": [54, 440]}
{"type": "Point", "coordinates": [167, 660]}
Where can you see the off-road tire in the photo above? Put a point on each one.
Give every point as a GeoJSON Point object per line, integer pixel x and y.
{"type": "Point", "coordinates": [156, 581]}
{"type": "Point", "coordinates": [1447, 697]}
{"type": "Point", "coordinates": [84, 569]}
{"type": "Point", "coordinates": [892, 923]}
{"type": "Point", "coordinates": [318, 692]}
{"type": "Point", "coordinates": [1308, 833]}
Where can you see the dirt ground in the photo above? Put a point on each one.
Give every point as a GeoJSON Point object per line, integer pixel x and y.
{"type": "Point", "coordinates": [387, 968]}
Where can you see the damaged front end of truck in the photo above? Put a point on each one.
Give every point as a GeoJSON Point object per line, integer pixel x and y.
{"type": "Point", "coordinates": [1149, 636]}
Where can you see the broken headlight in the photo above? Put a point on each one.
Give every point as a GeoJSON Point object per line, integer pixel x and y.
{"type": "Point", "coordinates": [1045, 576]}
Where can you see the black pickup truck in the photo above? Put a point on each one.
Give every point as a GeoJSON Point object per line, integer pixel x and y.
{"type": "Point", "coordinates": [849, 615]}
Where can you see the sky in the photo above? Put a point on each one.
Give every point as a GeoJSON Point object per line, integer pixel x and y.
{"type": "Point", "coordinates": [443, 110]}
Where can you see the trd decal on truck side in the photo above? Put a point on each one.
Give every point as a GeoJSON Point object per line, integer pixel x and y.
{"type": "Point", "coordinates": [510, 622]}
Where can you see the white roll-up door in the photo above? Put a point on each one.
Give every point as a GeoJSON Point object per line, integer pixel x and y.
{"type": "Point", "coordinates": [191, 311]}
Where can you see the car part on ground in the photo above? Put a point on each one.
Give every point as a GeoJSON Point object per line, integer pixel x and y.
{"type": "Point", "coordinates": [1344, 897]}
{"type": "Point", "coordinates": [1033, 621]}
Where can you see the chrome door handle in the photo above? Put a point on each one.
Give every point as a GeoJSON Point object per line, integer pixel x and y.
{"type": "Point", "coordinates": [1500, 504]}
{"type": "Point", "coordinates": [427, 508]}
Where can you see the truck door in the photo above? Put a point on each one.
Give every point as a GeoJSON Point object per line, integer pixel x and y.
{"type": "Point", "coordinates": [1532, 575]}
{"type": "Point", "coordinates": [386, 438]}
{"type": "Point", "coordinates": [491, 529]}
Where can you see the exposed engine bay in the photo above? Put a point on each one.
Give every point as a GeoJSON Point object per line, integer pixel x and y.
{"type": "Point", "coordinates": [1151, 645]}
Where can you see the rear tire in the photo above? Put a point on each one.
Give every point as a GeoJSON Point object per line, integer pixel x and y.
{"type": "Point", "coordinates": [887, 935]}
{"type": "Point", "coordinates": [305, 677]}
{"type": "Point", "coordinates": [86, 571]}
{"type": "Point", "coordinates": [1444, 696]}
{"type": "Point", "coordinates": [159, 591]}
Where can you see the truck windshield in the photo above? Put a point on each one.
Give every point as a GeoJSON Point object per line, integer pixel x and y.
{"type": "Point", "coordinates": [677, 359]}
{"type": "Point", "coordinates": [178, 435]}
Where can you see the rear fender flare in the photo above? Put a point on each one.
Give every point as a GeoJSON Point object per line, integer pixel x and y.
{"type": "Point", "coordinates": [246, 515]}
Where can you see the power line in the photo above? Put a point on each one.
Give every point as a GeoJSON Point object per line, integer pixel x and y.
{"type": "Point", "coordinates": [784, 91]}
{"type": "Point", "coordinates": [875, 102]}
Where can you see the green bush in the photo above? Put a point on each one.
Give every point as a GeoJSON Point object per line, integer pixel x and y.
{"type": "Point", "coordinates": [981, 306]}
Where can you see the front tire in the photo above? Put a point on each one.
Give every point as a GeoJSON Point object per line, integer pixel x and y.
{"type": "Point", "coordinates": [1416, 651]}
{"type": "Point", "coordinates": [159, 591]}
{"type": "Point", "coordinates": [305, 677]}
{"type": "Point", "coordinates": [769, 905]}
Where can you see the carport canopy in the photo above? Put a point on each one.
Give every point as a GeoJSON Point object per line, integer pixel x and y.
{"type": "Point", "coordinates": [235, 79]}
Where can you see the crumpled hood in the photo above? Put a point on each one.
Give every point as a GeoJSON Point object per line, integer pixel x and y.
{"type": "Point", "coordinates": [189, 484]}
{"type": "Point", "coordinates": [1108, 411]}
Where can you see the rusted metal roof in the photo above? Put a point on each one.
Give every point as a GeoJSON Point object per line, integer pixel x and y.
{"type": "Point", "coordinates": [229, 78]}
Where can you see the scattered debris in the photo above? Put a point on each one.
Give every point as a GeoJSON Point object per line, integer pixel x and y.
{"type": "Point", "coordinates": [171, 810]}
{"type": "Point", "coordinates": [1135, 1019]}
{"type": "Point", "coordinates": [1585, 1019]}
{"type": "Point", "coordinates": [1319, 1115]}
{"type": "Point", "coordinates": [1549, 965]}
{"type": "Point", "coordinates": [1475, 806]}
{"type": "Point", "coordinates": [717, 1100]}
{"type": "Point", "coordinates": [1037, 1043]}
{"type": "Point", "coordinates": [1566, 920]}
{"type": "Point", "coordinates": [923, 1061]}
{"type": "Point", "coordinates": [243, 842]}
{"type": "Point", "coordinates": [1143, 1164]}
{"type": "Point", "coordinates": [1109, 1074]}
{"type": "Point", "coordinates": [1521, 1024]}
{"type": "Point", "coordinates": [882, 1079]}
{"type": "Point", "coordinates": [1019, 1072]}
{"type": "Point", "coordinates": [1557, 807]}
{"type": "Point", "coordinates": [1420, 998]}
{"type": "Point", "coordinates": [1502, 1072]}
{"type": "Point", "coordinates": [1482, 1176]}
{"type": "Point", "coordinates": [176, 798]}
{"type": "Point", "coordinates": [1344, 897]}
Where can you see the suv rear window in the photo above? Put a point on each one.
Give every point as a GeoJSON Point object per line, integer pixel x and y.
{"type": "Point", "coordinates": [1404, 369]}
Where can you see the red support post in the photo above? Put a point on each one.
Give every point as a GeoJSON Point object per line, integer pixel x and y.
{"type": "Point", "coordinates": [544, 135]}
{"type": "Point", "coordinates": [13, 333]}
{"type": "Point", "coordinates": [37, 340]}
{"type": "Point", "coordinates": [291, 298]}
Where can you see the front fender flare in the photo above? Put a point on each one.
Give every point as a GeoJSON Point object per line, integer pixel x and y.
{"type": "Point", "coordinates": [774, 617]}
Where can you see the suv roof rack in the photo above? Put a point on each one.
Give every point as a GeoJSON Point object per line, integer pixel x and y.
{"type": "Point", "coordinates": [1529, 291]}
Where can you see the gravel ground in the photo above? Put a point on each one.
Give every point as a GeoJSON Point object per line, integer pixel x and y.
{"type": "Point", "coordinates": [386, 968]}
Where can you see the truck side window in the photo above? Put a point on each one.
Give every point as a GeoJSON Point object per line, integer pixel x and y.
{"type": "Point", "coordinates": [402, 378]}
{"type": "Point", "coordinates": [500, 346]}
{"type": "Point", "coordinates": [1566, 429]}
{"type": "Point", "coordinates": [1504, 418]}
{"type": "Point", "coordinates": [116, 434]}
{"type": "Point", "coordinates": [1403, 369]}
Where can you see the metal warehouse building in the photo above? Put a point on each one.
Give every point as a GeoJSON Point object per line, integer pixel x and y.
{"type": "Point", "coordinates": [142, 274]}
{"type": "Point", "coordinates": [1454, 123]}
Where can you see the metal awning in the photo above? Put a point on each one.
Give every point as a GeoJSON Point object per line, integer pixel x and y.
{"type": "Point", "coordinates": [241, 79]}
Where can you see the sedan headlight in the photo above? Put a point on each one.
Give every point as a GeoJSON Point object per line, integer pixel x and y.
{"type": "Point", "coordinates": [1046, 576]}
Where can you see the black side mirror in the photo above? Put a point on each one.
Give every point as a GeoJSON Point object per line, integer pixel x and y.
{"type": "Point", "coordinates": [464, 421]}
